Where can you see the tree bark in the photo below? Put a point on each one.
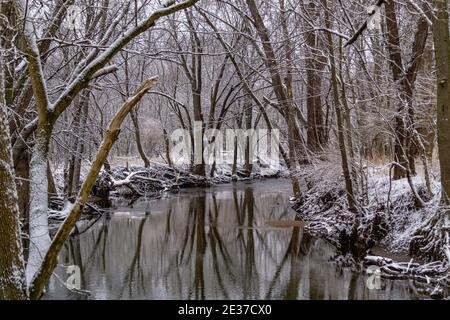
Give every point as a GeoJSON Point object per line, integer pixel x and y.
{"type": "Point", "coordinates": [340, 118]}
{"type": "Point", "coordinates": [316, 131]}
{"type": "Point", "coordinates": [248, 115]}
{"type": "Point", "coordinates": [137, 134]}
{"type": "Point", "coordinates": [404, 80]}
{"type": "Point", "coordinates": [442, 55]}
{"type": "Point", "coordinates": [12, 272]}
{"type": "Point", "coordinates": [38, 220]}
{"type": "Point", "coordinates": [167, 148]}
{"type": "Point", "coordinates": [196, 87]}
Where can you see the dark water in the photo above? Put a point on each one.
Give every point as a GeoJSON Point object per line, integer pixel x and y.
{"type": "Point", "coordinates": [214, 243]}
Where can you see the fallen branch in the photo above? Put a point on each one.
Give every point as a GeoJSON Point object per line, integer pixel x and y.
{"type": "Point", "coordinates": [435, 274]}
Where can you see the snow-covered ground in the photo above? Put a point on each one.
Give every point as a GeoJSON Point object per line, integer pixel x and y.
{"type": "Point", "coordinates": [388, 215]}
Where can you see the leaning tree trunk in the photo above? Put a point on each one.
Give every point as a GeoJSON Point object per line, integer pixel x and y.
{"type": "Point", "coordinates": [288, 108]}
{"type": "Point", "coordinates": [12, 272]}
{"type": "Point", "coordinates": [49, 262]}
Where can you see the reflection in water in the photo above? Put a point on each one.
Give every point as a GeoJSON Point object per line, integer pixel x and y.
{"type": "Point", "coordinates": [210, 243]}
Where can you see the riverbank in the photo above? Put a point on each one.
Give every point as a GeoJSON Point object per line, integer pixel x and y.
{"type": "Point", "coordinates": [132, 182]}
{"type": "Point", "coordinates": [388, 217]}
{"type": "Point", "coordinates": [148, 182]}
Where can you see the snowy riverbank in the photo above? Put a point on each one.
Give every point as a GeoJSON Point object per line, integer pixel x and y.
{"type": "Point", "coordinates": [388, 217]}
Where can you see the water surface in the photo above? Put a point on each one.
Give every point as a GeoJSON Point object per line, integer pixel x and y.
{"type": "Point", "coordinates": [222, 242]}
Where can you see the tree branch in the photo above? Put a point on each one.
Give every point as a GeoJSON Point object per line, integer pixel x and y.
{"type": "Point", "coordinates": [82, 79]}
{"type": "Point", "coordinates": [363, 27]}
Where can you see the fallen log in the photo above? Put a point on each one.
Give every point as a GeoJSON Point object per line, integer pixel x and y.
{"type": "Point", "coordinates": [141, 182]}
{"type": "Point", "coordinates": [435, 276]}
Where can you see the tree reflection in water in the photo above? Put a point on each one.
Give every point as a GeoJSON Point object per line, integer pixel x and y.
{"type": "Point", "coordinates": [210, 244]}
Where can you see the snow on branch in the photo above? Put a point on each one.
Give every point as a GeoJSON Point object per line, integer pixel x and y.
{"type": "Point", "coordinates": [28, 35]}
{"type": "Point", "coordinates": [434, 274]}
{"type": "Point", "coordinates": [426, 15]}
{"type": "Point", "coordinates": [365, 25]}
{"type": "Point", "coordinates": [103, 72]}
{"type": "Point", "coordinates": [98, 63]}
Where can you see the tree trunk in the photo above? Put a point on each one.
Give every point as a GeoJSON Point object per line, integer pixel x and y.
{"type": "Point", "coordinates": [442, 54]}
{"type": "Point", "coordinates": [248, 165]}
{"type": "Point", "coordinates": [38, 221]}
{"type": "Point", "coordinates": [278, 87]}
{"type": "Point", "coordinates": [137, 132]}
{"type": "Point", "coordinates": [396, 62]}
{"type": "Point", "coordinates": [316, 127]}
{"type": "Point", "coordinates": [195, 76]}
{"type": "Point", "coordinates": [12, 272]}
{"type": "Point", "coordinates": [340, 119]}
{"type": "Point", "coordinates": [22, 171]}
{"type": "Point", "coordinates": [51, 181]}
{"type": "Point", "coordinates": [348, 119]}
{"type": "Point", "coordinates": [199, 166]}
{"type": "Point", "coordinates": [404, 80]}
{"type": "Point", "coordinates": [167, 148]}
{"type": "Point", "coordinates": [235, 157]}
{"type": "Point", "coordinates": [80, 145]}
